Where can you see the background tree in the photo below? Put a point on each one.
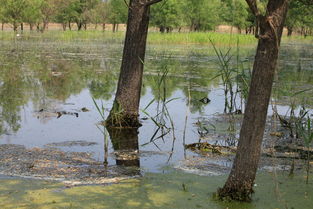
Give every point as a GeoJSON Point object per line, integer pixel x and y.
{"type": "Point", "coordinates": [32, 14]}
{"type": "Point", "coordinates": [239, 185]}
{"type": "Point", "coordinates": [102, 11]}
{"type": "Point", "coordinates": [117, 13]}
{"type": "Point", "coordinates": [3, 18]}
{"type": "Point", "coordinates": [167, 16]}
{"type": "Point", "coordinates": [65, 13]}
{"type": "Point", "coordinates": [48, 9]}
{"type": "Point", "coordinates": [14, 11]}
{"type": "Point", "coordinates": [202, 14]}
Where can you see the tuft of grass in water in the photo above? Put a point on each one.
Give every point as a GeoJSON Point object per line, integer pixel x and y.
{"type": "Point", "coordinates": [163, 115]}
{"type": "Point", "coordinates": [305, 131]}
{"type": "Point", "coordinates": [235, 80]}
{"type": "Point", "coordinates": [101, 110]}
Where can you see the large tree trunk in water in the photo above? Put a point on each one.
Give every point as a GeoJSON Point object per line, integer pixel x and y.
{"type": "Point", "coordinates": [239, 185]}
{"type": "Point", "coordinates": [125, 110]}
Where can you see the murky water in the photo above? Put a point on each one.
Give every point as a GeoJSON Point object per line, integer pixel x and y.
{"type": "Point", "coordinates": [39, 80]}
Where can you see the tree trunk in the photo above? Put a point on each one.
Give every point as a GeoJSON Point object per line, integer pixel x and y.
{"type": "Point", "coordinates": [69, 25]}
{"type": "Point", "coordinates": [162, 29]}
{"type": "Point", "coordinates": [2, 26]}
{"type": "Point", "coordinates": [239, 185]}
{"type": "Point", "coordinates": [64, 26]}
{"type": "Point", "coordinates": [22, 27]}
{"type": "Point", "coordinates": [38, 27]}
{"type": "Point", "coordinates": [113, 28]}
{"type": "Point", "coordinates": [79, 25]}
{"type": "Point", "coordinates": [103, 26]}
{"type": "Point", "coordinates": [15, 26]}
{"type": "Point", "coordinates": [125, 110]}
{"type": "Point", "coordinates": [45, 25]}
{"type": "Point", "coordinates": [289, 31]}
{"type": "Point", "coordinates": [31, 26]}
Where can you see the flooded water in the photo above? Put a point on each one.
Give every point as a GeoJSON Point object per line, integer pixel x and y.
{"type": "Point", "coordinates": [46, 91]}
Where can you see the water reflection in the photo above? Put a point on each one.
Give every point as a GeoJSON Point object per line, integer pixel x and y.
{"type": "Point", "coordinates": [125, 145]}
{"type": "Point", "coordinates": [35, 76]}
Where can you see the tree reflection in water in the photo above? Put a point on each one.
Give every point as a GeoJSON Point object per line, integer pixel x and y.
{"type": "Point", "coordinates": [125, 145]}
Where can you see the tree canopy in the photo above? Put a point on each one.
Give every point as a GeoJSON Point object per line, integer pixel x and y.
{"type": "Point", "coordinates": [193, 15]}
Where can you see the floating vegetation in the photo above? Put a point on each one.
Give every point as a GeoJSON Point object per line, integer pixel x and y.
{"type": "Point", "coordinates": [206, 147]}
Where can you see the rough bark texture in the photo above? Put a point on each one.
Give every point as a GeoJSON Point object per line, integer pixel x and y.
{"type": "Point", "coordinates": [126, 104]}
{"type": "Point", "coordinates": [239, 185]}
{"type": "Point", "coordinates": [125, 143]}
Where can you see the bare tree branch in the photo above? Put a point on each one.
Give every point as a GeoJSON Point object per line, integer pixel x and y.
{"type": "Point", "coordinates": [253, 7]}
{"type": "Point", "coordinates": [127, 4]}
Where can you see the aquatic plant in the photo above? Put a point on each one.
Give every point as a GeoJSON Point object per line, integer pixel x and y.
{"type": "Point", "coordinates": [305, 130]}
{"type": "Point", "coordinates": [235, 80]}
{"type": "Point", "coordinates": [101, 110]}
{"type": "Point", "coordinates": [162, 116]}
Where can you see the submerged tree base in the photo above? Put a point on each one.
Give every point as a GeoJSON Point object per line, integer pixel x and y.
{"type": "Point", "coordinates": [243, 194]}
{"type": "Point", "coordinates": [123, 121]}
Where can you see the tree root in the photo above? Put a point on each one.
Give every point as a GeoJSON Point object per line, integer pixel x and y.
{"type": "Point", "coordinates": [236, 194]}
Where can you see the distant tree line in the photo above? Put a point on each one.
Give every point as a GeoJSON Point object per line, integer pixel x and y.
{"type": "Point", "coordinates": [196, 15]}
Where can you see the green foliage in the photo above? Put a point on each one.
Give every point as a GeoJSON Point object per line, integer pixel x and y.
{"type": "Point", "coordinates": [202, 14]}
{"type": "Point", "coordinates": [195, 15]}
{"type": "Point", "coordinates": [300, 15]}
{"type": "Point", "coordinates": [167, 15]}
{"type": "Point", "coordinates": [14, 11]}
{"type": "Point", "coordinates": [117, 11]}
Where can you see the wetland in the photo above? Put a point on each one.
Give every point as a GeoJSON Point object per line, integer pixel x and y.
{"type": "Point", "coordinates": [54, 93]}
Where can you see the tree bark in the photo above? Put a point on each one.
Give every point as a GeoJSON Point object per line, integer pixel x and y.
{"type": "Point", "coordinates": [239, 185]}
{"type": "Point", "coordinates": [125, 108]}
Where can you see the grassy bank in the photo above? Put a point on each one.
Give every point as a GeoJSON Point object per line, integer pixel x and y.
{"type": "Point", "coordinates": [153, 38]}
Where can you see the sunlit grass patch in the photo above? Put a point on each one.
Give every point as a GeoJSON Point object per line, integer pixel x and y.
{"type": "Point", "coordinates": [220, 39]}
{"type": "Point", "coordinates": [202, 38]}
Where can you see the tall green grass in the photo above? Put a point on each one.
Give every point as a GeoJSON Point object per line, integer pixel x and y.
{"type": "Point", "coordinates": [219, 39]}
{"type": "Point", "coordinates": [202, 38]}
